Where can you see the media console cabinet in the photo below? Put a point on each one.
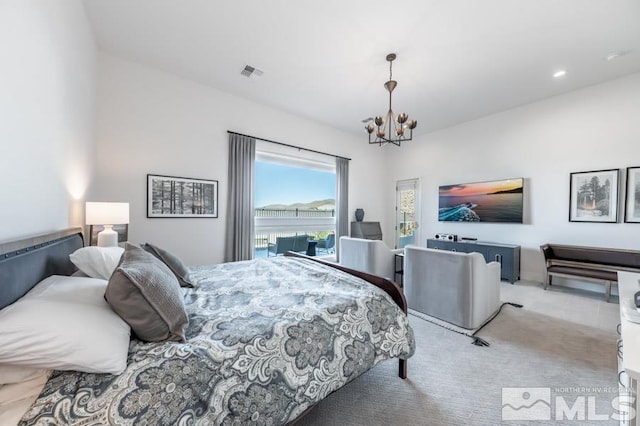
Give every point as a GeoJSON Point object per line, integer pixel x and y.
{"type": "Point", "coordinates": [506, 254]}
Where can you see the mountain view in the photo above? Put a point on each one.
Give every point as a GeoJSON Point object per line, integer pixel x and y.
{"type": "Point", "coordinates": [285, 187]}
{"type": "Point", "coordinates": [326, 204]}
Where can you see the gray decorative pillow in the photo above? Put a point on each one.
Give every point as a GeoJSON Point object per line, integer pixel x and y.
{"type": "Point", "coordinates": [176, 265]}
{"type": "Point", "coordinates": [147, 296]}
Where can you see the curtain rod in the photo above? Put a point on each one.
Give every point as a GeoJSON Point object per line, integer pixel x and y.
{"type": "Point", "coordinates": [290, 146]}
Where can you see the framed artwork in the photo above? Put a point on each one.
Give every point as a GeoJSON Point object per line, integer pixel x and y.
{"type": "Point", "coordinates": [122, 230]}
{"type": "Point", "coordinates": [594, 196]}
{"type": "Point", "coordinates": [169, 196]}
{"type": "Point", "coordinates": [632, 198]}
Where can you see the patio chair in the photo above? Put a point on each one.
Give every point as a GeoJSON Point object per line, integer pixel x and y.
{"type": "Point", "coordinates": [328, 244]}
{"type": "Point", "coordinates": [281, 246]}
{"type": "Point", "coordinates": [298, 243]}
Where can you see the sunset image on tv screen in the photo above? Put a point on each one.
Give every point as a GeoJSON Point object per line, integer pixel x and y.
{"type": "Point", "coordinates": [494, 201]}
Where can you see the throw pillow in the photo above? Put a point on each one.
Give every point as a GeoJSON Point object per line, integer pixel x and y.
{"type": "Point", "coordinates": [146, 294]}
{"type": "Point", "coordinates": [64, 323]}
{"type": "Point", "coordinates": [176, 265]}
{"type": "Point", "coordinates": [97, 262]}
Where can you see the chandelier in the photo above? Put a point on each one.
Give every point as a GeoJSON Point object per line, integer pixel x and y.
{"type": "Point", "coordinates": [391, 129]}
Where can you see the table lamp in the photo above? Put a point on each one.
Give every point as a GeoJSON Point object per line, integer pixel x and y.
{"type": "Point", "coordinates": [107, 214]}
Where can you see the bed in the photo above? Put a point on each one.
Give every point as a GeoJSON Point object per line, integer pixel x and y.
{"type": "Point", "coordinates": [266, 341]}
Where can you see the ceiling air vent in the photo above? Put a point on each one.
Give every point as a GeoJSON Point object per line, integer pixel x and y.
{"type": "Point", "coordinates": [250, 71]}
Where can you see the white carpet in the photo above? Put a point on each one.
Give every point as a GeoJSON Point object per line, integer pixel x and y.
{"type": "Point", "coordinates": [452, 382]}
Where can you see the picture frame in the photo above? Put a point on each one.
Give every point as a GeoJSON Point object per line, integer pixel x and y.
{"type": "Point", "coordinates": [122, 230]}
{"type": "Point", "coordinates": [632, 196]}
{"type": "Point", "coordinates": [593, 196]}
{"type": "Point", "coordinates": [180, 197]}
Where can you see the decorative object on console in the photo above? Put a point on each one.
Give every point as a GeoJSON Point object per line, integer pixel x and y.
{"type": "Point", "coordinates": [493, 201]}
{"type": "Point", "coordinates": [396, 126]}
{"type": "Point", "coordinates": [169, 196]}
{"type": "Point", "coordinates": [359, 215]}
{"type": "Point", "coordinates": [446, 237]}
{"type": "Point", "coordinates": [593, 196]}
{"type": "Point", "coordinates": [632, 202]}
{"type": "Point", "coordinates": [107, 215]}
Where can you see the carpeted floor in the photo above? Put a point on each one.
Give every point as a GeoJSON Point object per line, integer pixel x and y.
{"type": "Point", "coordinates": [452, 382]}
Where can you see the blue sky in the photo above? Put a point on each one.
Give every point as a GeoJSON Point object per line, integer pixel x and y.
{"type": "Point", "coordinates": [279, 184]}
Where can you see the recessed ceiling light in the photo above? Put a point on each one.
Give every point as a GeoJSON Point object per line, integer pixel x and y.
{"type": "Point", "coordinates": [559, 73]}
{"type": "Point", "coordinates": [614, 55]}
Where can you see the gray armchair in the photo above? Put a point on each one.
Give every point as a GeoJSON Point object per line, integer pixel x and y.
{"type": "Point", "coordinates": [460, 288]}
{"type": "Point", "coordinates": [372, 256]}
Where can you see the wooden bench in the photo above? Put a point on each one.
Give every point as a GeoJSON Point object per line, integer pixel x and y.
{"type": "Point", "coordinates": [597, 264]}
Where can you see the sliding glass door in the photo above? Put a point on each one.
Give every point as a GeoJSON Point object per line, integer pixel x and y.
{"type": "Point", "coordinates": [294, 195]}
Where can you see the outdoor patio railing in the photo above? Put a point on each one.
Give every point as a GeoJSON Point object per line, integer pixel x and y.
{"type": "Point", "coordinates": [294, 213]}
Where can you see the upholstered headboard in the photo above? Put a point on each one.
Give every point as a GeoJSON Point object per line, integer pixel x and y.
{"type": "Point", "coordinates": [26, 262]}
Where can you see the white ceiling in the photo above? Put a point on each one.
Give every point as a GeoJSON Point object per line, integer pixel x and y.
{"type": "Point", "coordinates": [325, 59]}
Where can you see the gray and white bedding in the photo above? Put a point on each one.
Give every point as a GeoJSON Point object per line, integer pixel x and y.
{"type": "Point", "coordinates": [266, 340]}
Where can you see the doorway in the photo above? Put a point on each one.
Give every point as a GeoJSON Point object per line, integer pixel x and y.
{"type": "Point", "coordinates": [407, 212]}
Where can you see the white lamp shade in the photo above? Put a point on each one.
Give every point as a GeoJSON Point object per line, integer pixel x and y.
{"type": "Point", "coordinates": [107, 213]}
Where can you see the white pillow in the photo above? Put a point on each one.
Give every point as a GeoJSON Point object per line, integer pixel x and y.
{"type": "Point", "coordinates": [19, 373]}
{"type": "Point", "coordinates": [97, 262]}
{"type": "Point", "coordinates": [64, 323]}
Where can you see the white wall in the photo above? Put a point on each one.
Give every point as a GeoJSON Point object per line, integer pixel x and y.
{"type": "Point", "coordinates": [149, 121]}
{"type": "Point", "coordinates": [47, 83]}
{"type": "Point", "coordinates": [590, 129]}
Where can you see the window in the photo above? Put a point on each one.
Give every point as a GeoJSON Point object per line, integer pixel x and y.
{"type": "Point", "coordinates": [294, 195]}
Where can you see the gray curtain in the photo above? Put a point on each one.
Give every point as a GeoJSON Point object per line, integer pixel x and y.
{"type": "Point", "coordinates": [342, 201]}
{"type": "Point", "coordinates": [239, 241]}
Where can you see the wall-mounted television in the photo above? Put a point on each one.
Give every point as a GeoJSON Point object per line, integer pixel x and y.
{"type": "Point", "coordinates": [492, 201]}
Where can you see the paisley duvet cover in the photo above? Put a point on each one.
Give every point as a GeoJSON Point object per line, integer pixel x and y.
{"type": "Point", "coordinates": [267, 339]}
